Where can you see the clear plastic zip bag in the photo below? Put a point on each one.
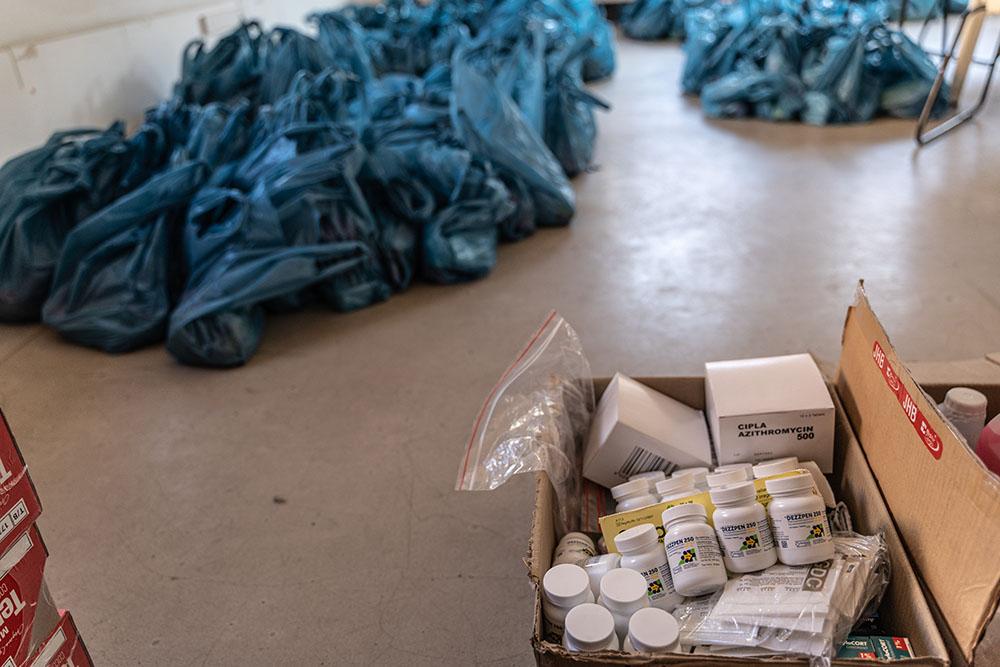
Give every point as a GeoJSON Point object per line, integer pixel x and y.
{"type": "Point", "coordinates": [535, 418]}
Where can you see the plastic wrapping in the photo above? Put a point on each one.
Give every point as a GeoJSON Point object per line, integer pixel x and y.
{"type": "Point", "coordinates": [536, 418]}
{"type": "Point", "coordinates": [803, 610]}
{"type": "Point", "coordinates": [821, 64]}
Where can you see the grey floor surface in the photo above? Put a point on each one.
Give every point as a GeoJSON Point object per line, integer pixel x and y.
{"type": "Point", "coordinates": [695, 240]}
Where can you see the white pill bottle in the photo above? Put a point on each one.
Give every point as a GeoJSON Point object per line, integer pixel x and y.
{"type": "Point", "coordinates": [623, 592]}
{"type": "Point", "coordinates": [798, 520]}
{"type": "Point", "coordinates": [633, 495]}
{"type": "Point", "coordinates": [590, 627]}
{"type": "Point", "coordinates": [564, 587]}
{"type": "Point", "coordinates": [742, 528]}
{"type": "Point", "coordinates": [641, 551]}
{"type": "Point", "coordinates": [652, 631]}
{"type": "Point", "coordinates": [692, 551]}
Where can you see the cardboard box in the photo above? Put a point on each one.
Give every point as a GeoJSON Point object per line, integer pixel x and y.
{"type": "Point", "coordinates": [21, 571]}
{"type": "Point", "coordinates": [904, 608]}
{"type": "Point", "coordinates": [19, 503]}
{"type": "Point", "coordinates": [768, 408]}
{"type": "Point", "coordinates": [945, 502]}
{"type": "Point", "coordinates": [636, 429]}
{"type": "Point", "coordinates": [64, 647]}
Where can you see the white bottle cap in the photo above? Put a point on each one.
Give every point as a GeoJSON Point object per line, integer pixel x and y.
{"type": "Point", "coordinates": [725, 477]}
{"type": "Point", "coordinates": [590, 626]}
{"type": "Point", "coordinates": [799, 482]}
{"type": "Point", "coordinates": [733, 493]}
{"type": "Point", "coordinates": [652, 475]}
{"type": "Point", "coordinates": [748, 467]}
{"type": "Point", "coordinates": [566, 585]}
{"type": "Point", "coordinates": [652, 630]}
{"type": "Point", "coordinates": [697, 474]}
{"type": "Point", "coordinates": [683, 512]}
{"type": "Point", "coordinates": [621, 589]}
{"type": "Point", "coordinates": [674, 485]}
{"type": "Point", "coordinates": [636, 537]}
{"type": "Point", "coordinates": [775, 467]}
{"type": "Point", "coordinates": [965, 401]}
{"type": "Point", "coordinates": [629, 488]}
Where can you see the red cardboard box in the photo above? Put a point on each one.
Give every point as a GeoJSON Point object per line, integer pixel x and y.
{"type": "Point", "coordinates": [21, 571]}
{"type": "Point", "coordinates": [19, 503]}
{"type": "Point", "coordinates": [63, 648]}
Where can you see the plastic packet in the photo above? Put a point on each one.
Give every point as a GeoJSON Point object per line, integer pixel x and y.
{"type": "Point", "coordinates": [803, 610]}
{"type": "Point", "coordinates": [535, 418]}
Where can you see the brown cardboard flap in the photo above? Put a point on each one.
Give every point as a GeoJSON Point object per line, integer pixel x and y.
{"type": "Point", "coordinates": [944, 501]}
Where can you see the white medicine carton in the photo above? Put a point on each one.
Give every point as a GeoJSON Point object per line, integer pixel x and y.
{"type": "Point", "coordinates": [768, 408]}
{"type": "Point", "coordinates": [636, 429]}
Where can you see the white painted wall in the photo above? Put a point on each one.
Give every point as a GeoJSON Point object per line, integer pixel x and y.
{"type": "Point", "coordinates": [71, 63]}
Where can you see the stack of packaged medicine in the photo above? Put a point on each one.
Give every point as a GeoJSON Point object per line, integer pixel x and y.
{"type": "Point", "coordinates": [33, 632]}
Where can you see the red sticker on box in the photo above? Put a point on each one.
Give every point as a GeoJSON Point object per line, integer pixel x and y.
{"type": "Point", "coordinates": [926, 432]}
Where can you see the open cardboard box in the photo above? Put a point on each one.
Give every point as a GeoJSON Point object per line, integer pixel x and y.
{"type": "Point", "coordinates": [945, 502]}
{"type": "Point", "coordinates": [904, 609]}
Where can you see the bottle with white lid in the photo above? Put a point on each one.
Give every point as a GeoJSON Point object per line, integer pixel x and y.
{"type": "Point", "coordinates": [965, 408]}
{"type": "Point", "coordinates": [675, 488]}
{"type": "Point", "coordinates": [652, 631]}
{"type": "Point", "coordinates": [746, 467]}
{"type": "Point", "coordinates": [632, 495]}
{"type": "Point", "coordinates": [623, 592]}
{"type": "Point", "coordinates": [692, 551]}
{"type": "Point", "coordinates": [590, 627]}
{"type": "Point", "coordinates": [641, 551]}
{"type": "Point", "coordinates": [741, 525]}
{"type": "Point", "coordinates": [651, 477]}
{"type": "Point", "coordinates": [721, 478]}
{"type": "Point", "coordinates": [775, 467]}
{"type": "Point", "coordinates": [798, 520]}
{"type": "Point", "coordinates": [697, 476]}
{"type": "Point", "coordinates": [563, 588]}
{"type": "Point", "coordinates": [574, 548]}
{"type": "Point", "coordinates": [597, 567]}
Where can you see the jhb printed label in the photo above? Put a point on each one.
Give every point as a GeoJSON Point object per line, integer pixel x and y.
{"type": "Point", "coordinates": [926, 432]}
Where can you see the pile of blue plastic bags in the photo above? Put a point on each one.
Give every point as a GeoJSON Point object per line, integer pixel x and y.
{"type": "Point", "coordinates": [819, 63]}
{"type": "Point", "coordinates": [397, 142]}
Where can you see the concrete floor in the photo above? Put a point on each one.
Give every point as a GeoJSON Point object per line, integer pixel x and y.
{"type": "Point", "coordinates": [696, 240]}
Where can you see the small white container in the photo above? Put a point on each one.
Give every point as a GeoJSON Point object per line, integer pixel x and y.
{"type": "Point", "coordinates": [675, 487]}
{"type": "Point", "coordinates": [965, 408]}
{"type": "Point", "coordinates": [641, 551]}
{"type": "Point", "coordinates": [742, 528]}
{"type": "Point", "coordinates": [652, 631]}
{"type": "Point", "coordinates": [748, 467]}
{"type": "Point", "coordinates": [590, 627]}
{"type": "Point", "coordinates": [623, 592]}
{"type": "Point", "coordinates": [717, 479]}
{"type": "Point", "coordinates": [697, 477]}
{"type": "Point", "coordinates": [563, 588]}
{"type": "Point", "coordinates": [775, 467]}
{"type": "Point", "coordinates": [632, 495]}
{"type": "Point", "coordinates": [798, 520]}
{"type": "Point", "coordinates": [692, 551]}
{"type": "Point", "coordinates": [597, 567]}
{"type": "Point", "coordinates": [651, 477]}
{"type": "Point", "coordinates": [574, 548]}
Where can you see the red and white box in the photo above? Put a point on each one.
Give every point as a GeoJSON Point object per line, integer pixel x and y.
{"type": "Point", "coordinates": [63, 648]}
{"type": "Point", "coordinates": [21, 571]}
{"type": "Point", "coordinates": [19, 503]}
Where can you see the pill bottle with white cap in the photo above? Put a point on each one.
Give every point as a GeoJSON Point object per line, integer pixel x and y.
{"type": "Point", "coordinates": [675, 488]}
{"type": "Point", "coordinates": [632, 495]}
{"type": "Point", "coordinates": [651, 477]}
{"type": "Point", "coordinates": [965, 408]}
{"type": "Point", "coordinates": [697, 476]}
{"type": "Point", "coordinates": [692, 551]}
{"type": "Point", "coordinates": [775, 467]}
{"type": "Point", "coordinates": [798, 520]}
{"type": "Point", "coordinates": [717, 479]}
{"type": "Point", "coordinates": [623, 592]}
{"type": "Point", "coordinates": [652, 631]}
{"type": "Point", "coordinates": [590, 627]}
{"type": "Point", "coordinates": [563, 588]}
{"type": "Point", "coordinates": [574, 548]}
{"type": "Point", "coordinates": [597, 567]}
{"type": "Point", "coordinates": [741, 525]}
{"type": "Point", "coordinates": [641, 551]}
